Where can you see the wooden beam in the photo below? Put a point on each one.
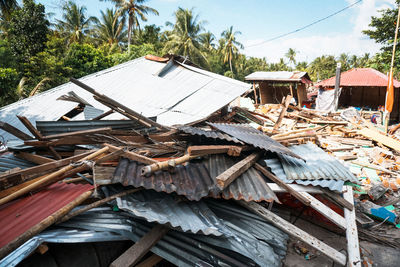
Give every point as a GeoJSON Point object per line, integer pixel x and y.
{"type": "Point", "coordinates": [282, 114]}
{"type": "Point", "coordinates": [18, 241]}
{"type": "Point", "coordinates": [84, 132]}
{"type": "Point", "coordinates": [132, 155]}
{"type": "Point", "coordinates": [33, 158]}
{"type": "Point", "coordinates": [229, 175]}
{"type": "Point", "coordinates": [14, 131]}
{"type": "Point", "coordinates": [353, 247]}
{"type": "Point", "coordinates": [325, 210]}
{"type": "Point", "coordinates": [164, 165]}
{"type": "Point", "coordinates": [275, 179]}
{"type": "Point", "coordinates": [140, 248]}
{"type": "Point", "coordinates": [296, 232]}
{"type": "Point", "coordinates": [296, 187]}
{"type": "Point", "coordinates": [30, 127]}
{"type": "Point", "coordinates": [380, 138]}
{"type": "Point", "coordinates": [336, 198]}
{"type": "Point", "coordinates": [105, 114]}
{"type": "Point", "coordinates": [51, 177]}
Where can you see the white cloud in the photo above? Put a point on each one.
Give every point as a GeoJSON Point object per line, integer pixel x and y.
{"type": "Point", "coordinates": [310, 47]}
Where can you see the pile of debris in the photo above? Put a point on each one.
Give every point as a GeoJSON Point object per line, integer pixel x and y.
{"type": "Point", "coordinates": [195, 194]}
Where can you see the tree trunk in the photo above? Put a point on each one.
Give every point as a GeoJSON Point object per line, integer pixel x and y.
{"type": "Point", "coordinates": [129, 35]}
{"type": "Point", "coordinates": [230, 65]}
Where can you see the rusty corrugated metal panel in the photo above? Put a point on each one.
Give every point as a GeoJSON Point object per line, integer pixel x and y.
{"type": "Point", "coordinates": [249, 135]}
{"type": "Point", "coordinates": [360, 77]}
{"type": "Point", "coordinates": [209, 134]}
{"type": "Point", "coordinates": [20, 215]}
{"type": "Point", "coordinates": [318, 165]}
{"type": "Point", "coordinates": [196, 180]}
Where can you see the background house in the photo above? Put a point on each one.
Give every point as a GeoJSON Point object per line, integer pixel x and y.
{"type": "Point", "coordinates": [274, 85]}
{"type": "Point", "coordinates": [365, 88]}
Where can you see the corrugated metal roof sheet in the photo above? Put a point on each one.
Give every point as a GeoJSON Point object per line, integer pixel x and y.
{"type": "Point", "coordinates": [283, 76]}
{"type": "Point", "coordinates": [187, 216]}
{"type": "Point", "coordinates": [360, 77]}
{"type": "Point", "coordinates": [276, 167]}
{"type": "Point", "coordinates": [57, 127]}
{"type": "Point", "coordinates": [184, 94]}
{"type": "Point", "coordinates": [249, 135]}
{"type": "Point", "coordinates": [318, 165]}
{"type": "Point", "coordinates": [8, 161]}
{"type": "Point", "coordinates": [196, 180]}
{"type": "Point", "coordinates": [254, 241]}
{"type": "Point", "coordinates": [57, 235]}
{"type": "Point", "coordinates": [209, 134]}
{"type": "Point", "coordinates": [20, 215]}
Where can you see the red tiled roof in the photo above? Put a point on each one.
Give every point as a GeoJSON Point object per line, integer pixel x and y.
{"type": "Point", "coordinates": [20, 215]}
{"type": "Point", "coordinates": [359, 77]}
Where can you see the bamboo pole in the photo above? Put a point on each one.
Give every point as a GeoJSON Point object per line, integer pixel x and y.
{"type": "Point", "coordinates": [4, 251]}
{"type": "Point", "coordinates": [163, 165]}
{"type": "Point", "coordinates": [51, 177]}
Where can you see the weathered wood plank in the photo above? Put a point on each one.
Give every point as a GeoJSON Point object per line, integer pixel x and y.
{"type": "Point", "coordinates": [283, 112]}
{"type": "Point", "coordinates": [150, 261]}
{"type": "Point", "coordinates": [140, 248]}
{"type": "Point", "coordinates": [34, 158]}
{"type": "Point", "coordinates": [14, 131]}
{"type": "Point", "coordinates": [132, 155]}
{"type": "Point", "coordinates": [296, 232]}
{"type": "Point", "coordinates": [83, 132]}
{"type": "Point", "coordinates": [229, 175]}
{"type": "Point", "coordinates": [217, 149]}
{"type": "Point", "coordinates": [353, 247]}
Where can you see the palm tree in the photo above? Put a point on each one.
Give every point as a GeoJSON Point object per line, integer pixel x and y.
{"type": "Point", "coordinates": [75, 23]}
{"type": "Point", "coordinates": [7, 7]}
{"type": "Point", "coordinates": [231, 45]}
{"type": "Point", "coordinates": [135, 10]}
{"type": "Point", "coordinates": [185, 37]}
{"type": "Point", "coordinates": [207, 40]}
{"type": "Point", "coordinates": [111, 28]}
{"type": "Point", "coordinates": [291, 56]}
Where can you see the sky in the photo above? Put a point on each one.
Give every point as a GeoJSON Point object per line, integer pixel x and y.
{"type": "Point", "coordinates": [261, 20]}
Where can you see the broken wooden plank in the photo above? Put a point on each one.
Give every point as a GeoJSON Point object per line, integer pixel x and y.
{"type": "Point", "coordinates": [102, 175]}
{"type": "Point", "coordinates": [18, 241]}
{"type": "Point", "coordinates": [296, 187]}
{"type": "Point", "coordinates": [51, 177]}
{"type": "Point", "coordinates": [329, 122]}
{"type": "Point", "coordinates": [353, 246]}
{"type": "Point", "coordinates": [14, 131]}
{"type": "Point", "coordinates": [140, 248]}
{"type": "Point", "coordinates": [33, 158]}
{"type": "Point", "coordinates": [296, 232]}
{"type": "Point", "coordinates": [229, 175]}
{"type": "Point", "coordinates": [83, 132]}
{"type": "Point", "coordinates": [30, 127]}
{"type": "Point", "coordinates": [217, 149]}
{"type": "Point", "coordinates": [282, 114]}
{"type": "Point", "coordinates": [105, 114]}
{"type": "Point", "coordinates": [132, 155]}
{"type": "Point", "coordinates": [118, 105]}
{"type": "Point", "coordinates": [325, 210]}
{"type": "Point", "coordinates": [275, 179]}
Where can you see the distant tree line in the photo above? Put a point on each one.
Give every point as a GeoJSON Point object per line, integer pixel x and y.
{"type": "Point", "coordinates": [36, 55]}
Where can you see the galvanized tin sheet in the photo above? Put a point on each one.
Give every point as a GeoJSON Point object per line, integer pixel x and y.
{"type": "Point", "coordinates": [196, 180]}
{"type": "Point", "coordinates": [318, 165]}
{"type": "Point", "coordinates": [8, 161]}
{"type": "Point", "coordinates": [276, 167]}
{"type": "Point", "coordinates": [249, 135]}
{"type": "Point", "coordinates": [209, 134]}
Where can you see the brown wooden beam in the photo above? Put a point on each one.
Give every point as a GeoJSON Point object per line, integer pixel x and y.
{"type": "Point", "coordinates": [14, 131]}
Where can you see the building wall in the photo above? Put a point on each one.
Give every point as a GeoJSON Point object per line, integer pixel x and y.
{"type": "Point", "coordinates": [273, 94]}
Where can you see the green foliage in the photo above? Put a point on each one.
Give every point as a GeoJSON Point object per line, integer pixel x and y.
{"type": "Point", "coordinates": [136, 52]}
{"type": "Point", "coordinates": [27, 31]}
{"type": "Point", "coordinates": [150, 34]}
{"type": "Point", "coordinates": [8, 82]}
{"type": "Point", "coordinates": [322, 68]}
{"type": "Point", "coordinates": [111, 29]}
{"type": "Point", "coordinates": [6, 57]}
{"type": "Point", "coordinates": [84, 59]}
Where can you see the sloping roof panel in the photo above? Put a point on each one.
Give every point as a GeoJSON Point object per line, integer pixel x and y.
{"type": "Point", "coordinates": [367, 77]}
{"type": "Point", "coordinates": [184, 94]}
{"type": "Point", "coordinates": [209, 134]}
{"type": "Point", "coordinates": [20, 215]}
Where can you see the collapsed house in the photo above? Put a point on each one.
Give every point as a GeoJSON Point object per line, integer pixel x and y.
{"type": "Point", "coordinates": [363, 88]}
{"type": "Point", "coordinates": [167, 170]}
